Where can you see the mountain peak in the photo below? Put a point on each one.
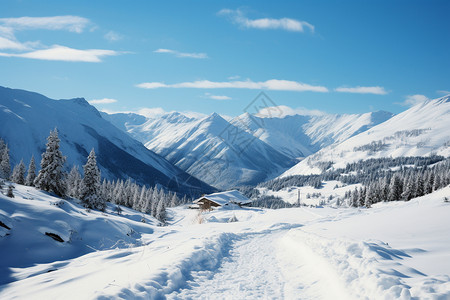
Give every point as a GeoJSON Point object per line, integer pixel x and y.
{"type": "Point", "coordinates": [214, 116]}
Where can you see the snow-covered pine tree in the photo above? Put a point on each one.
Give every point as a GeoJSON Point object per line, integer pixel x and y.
{"type": "Point", "coordinates": [396, 188]}
{"type": "Point", "coordinates": [139, 205]}
{"type": "Point", "coordinates": [161, 210]}
{"type": "Point", "coordinates": [119, 195]}
{"type": "Point", "coordinates": [147, 202]}
{"type": "Point", "coordinates": [370, 197]}
{"type": "Point", "coordinates": [128, 193]}
{"type": "Point", "coordinates": [362, 196]}
{"type": "Point", "coordinates": [174, 200]}
{"type": "Point", "coordinates": [409, 188]}
{"type": "Point", "coordinates": [73, 182]}
{"type": "Point", "coordinates": [31, 175]}
{"type": "Point", "coordinates": [5, 166]}
{"type": "Point", "coordinates": [104, 190]}
{"type": "Point", "coordinates": [430, 183]}
{"type": "Point", "coordinates": [90, 185]}
{"type": "Point", "coordinates": [51, 174]}
{"type": "Point", "coordinates": [420, 189]}
{"type": "Point", "coordinates": [18, 175]}
{"type": "Point", "coordinates": [437, 182]}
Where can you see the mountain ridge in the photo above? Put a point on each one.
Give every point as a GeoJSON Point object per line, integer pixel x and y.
{"type": "Point", "coordinates": [34, 115]}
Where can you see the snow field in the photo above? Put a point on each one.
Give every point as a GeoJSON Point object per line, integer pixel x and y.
{"type": "Point", "coordinates": [396, 250]}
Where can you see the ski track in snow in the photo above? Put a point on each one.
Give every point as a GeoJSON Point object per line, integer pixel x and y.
{"type": "Point", "coordinates": [251, 271]}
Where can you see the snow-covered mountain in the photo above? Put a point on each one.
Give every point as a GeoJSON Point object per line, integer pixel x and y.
{"type": "Point", "coordinates": [244, 150]}
{"type": "Point", "coordinates": [211, 148]}
{"type": "Point", "coordinates": [421, 130]}
{"type": "Point", "coordinates": [302, 135]}
{"type": "Point", "coordinates": [27, 118]}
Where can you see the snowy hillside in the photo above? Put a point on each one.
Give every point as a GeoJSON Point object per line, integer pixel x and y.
{"type": "Point", "coordinates": [244, 150]}
{"type": "Point", "coordinates": [395, 250]}
{"type": "Point", "coordinates": [27, 119]}
{"type": "Point", "coordinates": [212, 149]}
{"type": "Point", "coordinates": [419, 131]}
{"type": "Point", "coordinates": [33, 217]}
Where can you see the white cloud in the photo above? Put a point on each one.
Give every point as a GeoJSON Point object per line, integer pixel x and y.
{"type": "Point", "coordinates": [103, 101]}
{"type": "Point", "coordinates": [272, 84]}
{"type": "Point", "coordinates": [11, 44]}
{"type": "Point", "coordinates": [36, 50]}
{"type": "Point", "coordinates": [238, 17]}
{"type": "Point", "coordinates": [412, 100]}
{"type": "Point", "coordinates": [443, 92]}
{"type": "Point", "coordinates": [62, 53]}
{"type": "Point", "coordinates": [377, 90]}
{"type": "Point", "coordinates": [151, 112]}
{"type": "Point", "coordinates": [217, 97]}
{"type": "Point", "coordinates": [182, 54]}
{"type": "Point", "coordinates": [283, 111]}
{"type": "Point", "coordinates": [113, 36]}
{"type": "Point", "coordinates": [235, 77]}
{"type": "Point", "coordinates": [71, 23]}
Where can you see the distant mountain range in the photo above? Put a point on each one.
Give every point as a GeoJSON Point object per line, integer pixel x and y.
{"type": "Point", "coordinates": [245, 150]}
{"type": "Point", "coordinates": [27, 118]}
{"type": "Point", "coordinates": [193, 155]}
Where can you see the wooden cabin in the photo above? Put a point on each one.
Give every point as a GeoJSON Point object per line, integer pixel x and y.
{"type": "Point", "coordinates": [207, 202]}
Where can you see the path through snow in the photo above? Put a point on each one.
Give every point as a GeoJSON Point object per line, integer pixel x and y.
{"type": "Point", "coordinates": [251, 271]}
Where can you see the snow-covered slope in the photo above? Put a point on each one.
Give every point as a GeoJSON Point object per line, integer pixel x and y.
{"type": "Point", "coordinates": [395, 250]}
{"type": "Point", "coordinates": [212, 149]}
{"type": "Point", "coordinates": [419, 131]}
{"type": "Point", "coordinates": [27, 118]}
{"type": "Point", "coordinates": [33, 216]}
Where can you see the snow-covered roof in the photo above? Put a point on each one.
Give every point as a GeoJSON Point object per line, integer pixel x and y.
{"type": "Point", "coordinates": [223, 198]}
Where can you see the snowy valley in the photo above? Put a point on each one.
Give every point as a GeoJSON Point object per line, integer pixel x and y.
{"type": "Point", "coordinates": [355, 219]}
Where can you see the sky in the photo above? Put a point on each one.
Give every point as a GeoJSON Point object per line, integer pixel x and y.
{"type": "Point", "coordinates": [217, 56]}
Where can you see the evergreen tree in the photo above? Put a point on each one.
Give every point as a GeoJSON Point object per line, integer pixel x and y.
{"type": "Point", "coordinates": [420, 190]}
{"type": "Point", "coordinates": [90, 185]}
{"type": "Point", "coordinates": [370, 197]}
{"type": "Point", "coordinates": [409, 189]}
{"type": "Point", "coordinates": [396, 189]}
{"type": "Point", "coordinates": [5, 166]}
{"type": "Point", "coordinates": [161, 210]}
{"type": "Point", "coordinates": [174, 200]}
{"type": "Point", "coordinates": [31, 175]}
{"type": "Point", "coordinates": [362, 196]}
{"type": "Point", "coordinates": [119, 195]}
{"type": "Point", "coordinates": [437, 182]}
{"type": "Point", "coordinates": [104, 190]}
{"type": "Point", "coordinates": [51, 175]}
{"type": "Point", "coordinates": [430, 183]}
{"type": "Point", "coordinates": [142, 199]}
{"type": "Point", "coordinates": [73, 182]}
{"type": "Point", "coordinates": [18, 175]}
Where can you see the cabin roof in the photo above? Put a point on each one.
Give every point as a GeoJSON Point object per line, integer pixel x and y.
{"type": "Point", "coordinates": [223, 198]}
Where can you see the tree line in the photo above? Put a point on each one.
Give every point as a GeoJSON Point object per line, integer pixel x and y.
{"type": "Point", "coordinates": [93, 193]}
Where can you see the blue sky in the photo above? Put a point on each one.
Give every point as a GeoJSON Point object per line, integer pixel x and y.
{"type": "Point", "coordinates": [206, 56]}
